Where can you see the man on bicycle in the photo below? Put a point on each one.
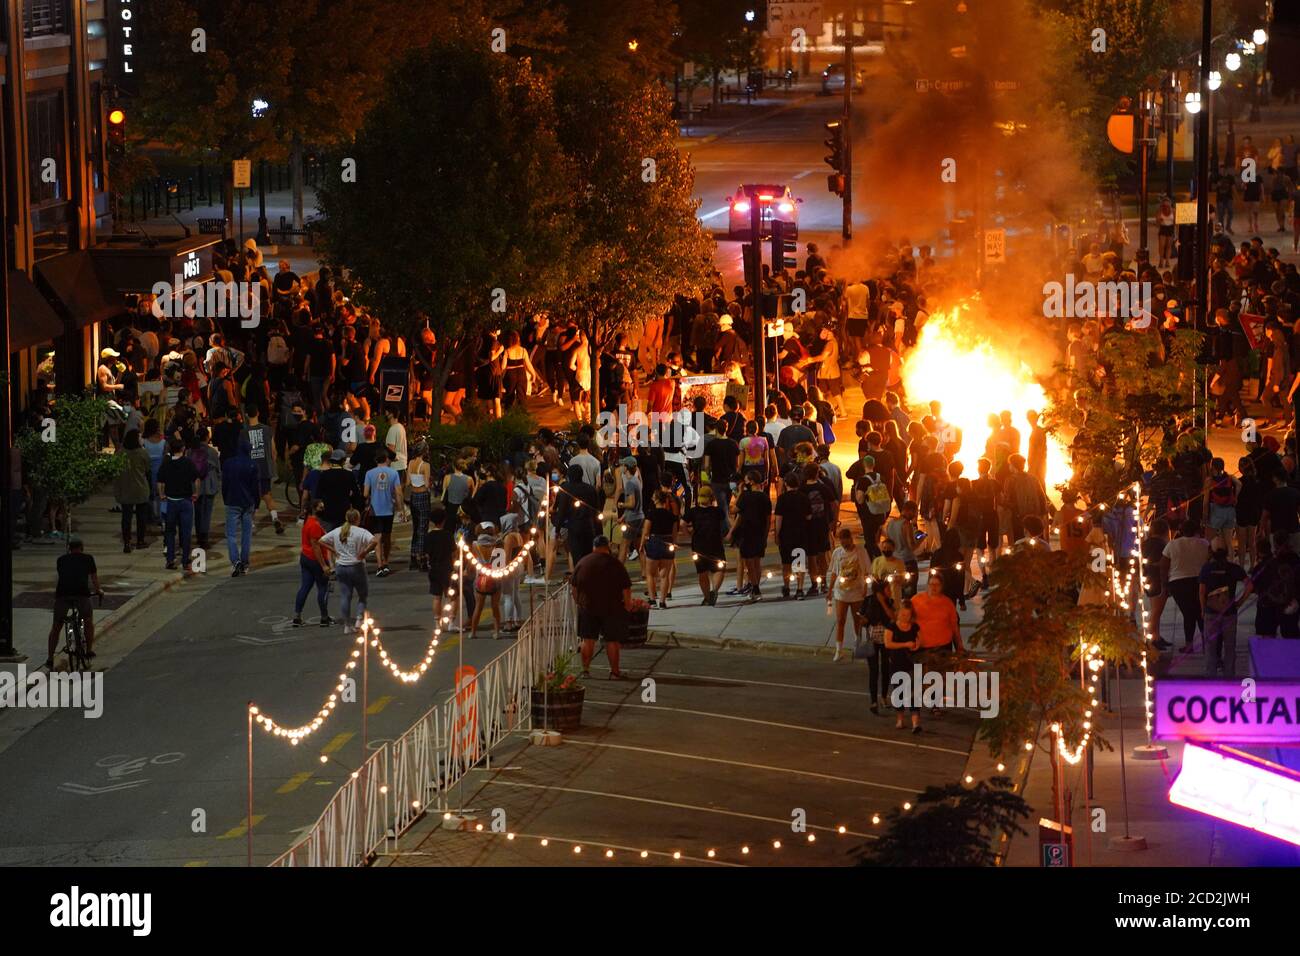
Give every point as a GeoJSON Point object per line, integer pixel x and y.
{"type": "Point", "coordinates": [77, 574]}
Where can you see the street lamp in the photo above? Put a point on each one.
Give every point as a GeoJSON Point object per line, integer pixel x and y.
{"type": "Point", "coordinates": [260, 106]}
{"type": "Point", "coordinates": [1259, 36]}
{"type": "Point", "coordinates": [1233, 61]}
{"type": "Point", "coordinates": [749, 16]}
{"type": "Point", "coordinates": [1193, 102]}
{"type": "Point", "coordinates": [1216, 80]}
{"type": "Point", "coordinates": [632, 45]}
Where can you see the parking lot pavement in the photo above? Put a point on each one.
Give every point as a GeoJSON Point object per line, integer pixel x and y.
{"type": "Point", "coordinates": [726, 749]}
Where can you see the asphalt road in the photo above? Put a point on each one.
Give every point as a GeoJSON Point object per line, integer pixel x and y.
{"type": "Point", "coordinates": [127, 788]}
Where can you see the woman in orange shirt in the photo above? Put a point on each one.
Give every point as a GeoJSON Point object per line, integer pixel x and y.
{"type": "Point", "coordinates": [936, 618]}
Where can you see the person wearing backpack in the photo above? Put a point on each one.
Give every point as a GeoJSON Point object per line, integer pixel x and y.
{"type": "Point", "coordinates": [871, 499]}
{"type": "Point", "coordinates": [207, 462]}
{"type": "Point", "coordinates": [1024, 496]}
{"type": "Point", "coordinates": [1221, 491]}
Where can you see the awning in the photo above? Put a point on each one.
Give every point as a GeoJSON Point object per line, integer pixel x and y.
{"type": "Point", "coordinates": [31, 318]}
{"type": "Point", "coordinates": [75, 282]}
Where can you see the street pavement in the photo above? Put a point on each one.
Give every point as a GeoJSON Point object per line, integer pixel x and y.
{"type": "Point", "coordinates": [703, 750]}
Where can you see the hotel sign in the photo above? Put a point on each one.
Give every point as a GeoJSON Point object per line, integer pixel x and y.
{"type": "Point", "coordinates": [122, 41]}
{"type": "Point", "coordinates": [1228, 711]}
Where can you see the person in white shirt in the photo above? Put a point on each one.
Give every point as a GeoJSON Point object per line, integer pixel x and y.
{"type": "Point", "coordinates": [857, 298]}
{"type": "Point", "coordinates": [1181, 563]}
{"type": "Point", "coordinates": [350, 545]}
{"type": "Point", "coordinates": [396, 442]}
{"type": "Point", "coordinates": [850, 566]}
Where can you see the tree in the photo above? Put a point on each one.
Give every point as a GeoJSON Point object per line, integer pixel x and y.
{"type": "Point", "coordinates": [637, 240]}
{"type": "Point", "coordinates": [1035, 631]}
{"type": "Point", "coordinates": [711, 32]}
{"type": "Point", "coordinates": [950, 825]}
{"type": "Point", "coordinates": [461, 209]}
{"type": "Point", "coordinates": [63, 455]}
{"type": "Point", "coordinates": [1124, 416]}
{"type": "Point", "coordinates": [318, 64]}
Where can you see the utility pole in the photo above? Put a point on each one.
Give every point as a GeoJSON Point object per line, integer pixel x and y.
{"type": "Point", "coordinates": [6, 431]}
{"type": "Point", "coordinates": [1146, 100]}
{"type": "Point", "coordinates": [1201, 260]}
{"type": "Point", "coordinates": [1171, 122]}
{"type": "Point", "coordinates": [847, 225]}
{"type": "Point", "coordinates": [754, 277]}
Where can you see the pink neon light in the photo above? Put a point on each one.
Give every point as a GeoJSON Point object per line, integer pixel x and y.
{"type": "Point", "coordinates": [1240, 788]}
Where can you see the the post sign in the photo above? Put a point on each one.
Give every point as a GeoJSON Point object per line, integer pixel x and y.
{"type": "Point", "coordinates": [1228, 711]}
{"type": "Point", "coordinates": [785, 16]}
{"type": "Point", "coordinates": [243, 173]}
{"type": "Point", "coordinates": [1240, 788]}
{"type": "Point", "coordinates": [995, 246]}
{"type": "Point", "coordinates": [123, 39]}
{"type": "Point", "coordinates": [1185, 214]}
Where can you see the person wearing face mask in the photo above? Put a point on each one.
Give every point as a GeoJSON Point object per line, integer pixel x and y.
{"type": "Point", "coordinates": [1219, 578]}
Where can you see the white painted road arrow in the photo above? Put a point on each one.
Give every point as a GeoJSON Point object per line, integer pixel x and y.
{"type": "Point", "coordinates": [85, 791]}
{"type": "Point", "coordinates": [262, 641]}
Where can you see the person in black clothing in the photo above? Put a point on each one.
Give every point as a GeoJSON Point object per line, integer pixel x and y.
{"type": "Point", "coordinates": [1282, 511]}
{"type": "Point", "coordinates": [793, 514]}
{"type": "Point", "coordinates": [1278, 585]}
{"type": "Point", "coordinates": [706, 519]}
{"type": "Point", "coordinates": [733, 419]}
{"type": "Point", "coordinates": [337, 490]}
{"type": "Point", "coordinates": [440, 559]}
{"type": "Point", "coordinates": [178, 485]}
{"type": "Point", "coordinates": [1219, 579]}
{"type": "Point", "coordinates": [576, 514]}
{"type": "Point", "coordinates": [901, 637]}
{"type": "Point", "coordinates": [78, 580]}
{"type": "Point", "coordinates": [226, 429]}
{"type": "Point", "coordinates": [490, 498]}
{"type": "Point", "coordinates": [753, 510]}
{"type": "Point", "coordinates": [720, 457]}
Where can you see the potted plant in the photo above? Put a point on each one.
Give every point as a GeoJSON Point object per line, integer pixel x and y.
{"type": "Point", "coordinates": [638, 627]}
{"type": "Point", "coordinates": [558, 696]}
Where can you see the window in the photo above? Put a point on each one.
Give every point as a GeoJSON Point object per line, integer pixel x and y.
{"type": "Point", "coordinates": [44, 17]}
{"type": "Point", "coordinates": [46, 140]}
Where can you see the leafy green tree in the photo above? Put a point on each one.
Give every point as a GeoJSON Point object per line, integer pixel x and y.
{"type": "Point", "coordinates": [462, 202]}
{"type": "Point", "coordinates": [950, 825]}
{"type": "Point", "coordinates": [1122, 418]}
{"type": "Point", "coordinates": [318, 64]}
{"type": "Point", "coordinates": [64, 457]}
{"type": "Point", "coordinates": [711, 31]}
{"type": "Point", "coordinates": [637, 240]}
{"type": "Point", "coordinates": [1035, 631]}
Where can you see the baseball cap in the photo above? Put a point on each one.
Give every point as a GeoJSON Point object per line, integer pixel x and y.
{"type": "Point", "coordinates": [600, 541]}
{"type": "Point", "coordinates": [107, 352]}
{"type": "Point", "coordinates": [628, 461]}
{"type": "Point", "coordinates": [485, 539]}
{"type": "Point", "coordinates": [338, 456]}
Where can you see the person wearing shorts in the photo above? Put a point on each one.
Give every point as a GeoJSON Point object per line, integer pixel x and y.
{"type": "Point", "coordinates": [383, 489]}
{"type": "Point", "coordinates": [793, 512]}
{"type": "Point", "coordinates": [753, 511]}
{"type": "Point", "coordinates": [603, 592]}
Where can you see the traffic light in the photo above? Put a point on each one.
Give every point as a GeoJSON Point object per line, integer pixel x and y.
{"type": "Point", "coordinates": [116, 132]}
{"type": "Point", "coordinates": [835, 159]}
{"type": "Point", "coordinates": [782, 244]}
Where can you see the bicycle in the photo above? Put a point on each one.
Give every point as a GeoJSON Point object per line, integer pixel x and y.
{"type": "Point", "coordinates": [74, 631]}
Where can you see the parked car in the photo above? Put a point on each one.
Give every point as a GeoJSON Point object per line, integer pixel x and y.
{"type": "Point", "coordinates": [833, 79]}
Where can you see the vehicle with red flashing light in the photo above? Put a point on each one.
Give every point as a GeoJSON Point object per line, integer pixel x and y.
{"type": "Point", "coordinates": [773, 202]}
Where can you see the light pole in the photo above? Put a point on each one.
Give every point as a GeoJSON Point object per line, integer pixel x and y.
{"type": "Point", "coordinates": [260, 106]}
{"type": "Point", "coordinates": [6, 437]}
{"type": "Point", "coordinates": [1201, 260]}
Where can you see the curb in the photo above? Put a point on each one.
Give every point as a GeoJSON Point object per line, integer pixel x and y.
{"type": "Point", "coordinates": [673, 638]}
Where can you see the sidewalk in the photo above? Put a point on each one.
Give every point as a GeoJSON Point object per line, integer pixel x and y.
{"type": "Point", "coordinates": [1174, 836]}
{"type": "Point", "coordinates": [131, 581]}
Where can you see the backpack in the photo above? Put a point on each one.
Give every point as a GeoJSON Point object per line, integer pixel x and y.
{"type": "Point", "coordinates": [755, 456]}
{"type": "Point", "coordinates": [1223, 492]}
{"type": "Point", "coordinates": [1281, 589]}
{"type": "Point", "coordinates": [878, 497]}
{"type": "Point", "coordinates": [199, 459]}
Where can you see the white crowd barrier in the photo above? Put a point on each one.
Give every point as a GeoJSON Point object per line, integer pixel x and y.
{"type": "Point", "coordinates": [421, 766]}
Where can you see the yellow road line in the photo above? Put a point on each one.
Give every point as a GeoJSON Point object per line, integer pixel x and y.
{"type": "Point", "coordinates": [380, 704]}
{"type": "Point", "coordinates": [338, 742]}
{"type": "Point", "coordinates": [242, 829]}
{"type": "Point", "coordinates": [294, 782]}
{"type": "Point", "coordinates": [197, 863]}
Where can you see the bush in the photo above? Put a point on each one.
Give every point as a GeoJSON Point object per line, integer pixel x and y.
{"type": "Point", "coordinates": [71, 467]}
{"type": "Point", "coordinates": [495, 439]}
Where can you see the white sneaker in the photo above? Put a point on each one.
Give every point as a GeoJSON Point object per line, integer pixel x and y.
{"type": "Point", "coordinates": [633, 554]}
{"type": "Point", "coordinates": [838, 652]}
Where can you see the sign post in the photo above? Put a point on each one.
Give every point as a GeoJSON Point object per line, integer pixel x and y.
{"type": "Point", "coordinates": [243, 179]}
{"type": "Point", "coordinates": [995, 246]}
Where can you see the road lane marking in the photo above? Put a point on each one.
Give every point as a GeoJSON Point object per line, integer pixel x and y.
{"type": "Point", "coordinates": [773, 723]}
{"type": "Point", "coordinates": [717, 212]}
{"type": "Point", "coordinates": [83, 790]}
{"type": "Point", "coordinates": [801, 175]}
{"type": "Point", "coordinates": [380, 704]}
{"type": "Point", "coordinates": [783, 822]}
{"type": "Point", "coordinates": [741, 763]}
{"type": "Point", "coordinates": [338, 742]}
{"type": "Point", "coordinates": [242, 828]}
{"type": "Point", "coordinates": [762, 683]}
{"type": "Point", "coordinates": [294, 782]}
{"type": "Point", "coordinates": [197, 863]}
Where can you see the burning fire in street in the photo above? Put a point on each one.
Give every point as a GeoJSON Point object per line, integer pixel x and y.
{"type": "Point", "coordinates": [972, 378]}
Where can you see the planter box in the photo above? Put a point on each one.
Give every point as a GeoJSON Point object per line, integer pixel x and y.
{"type": "Point", "coordinates": [558, 710]}
{"type": "Point", "coordinates": [638, 628]}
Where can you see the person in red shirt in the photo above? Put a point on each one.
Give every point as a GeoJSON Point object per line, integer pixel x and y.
{"type": "Point", "coordinates": [315, 569]}
{"type": "Point", "coordinates": [661, 390]}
